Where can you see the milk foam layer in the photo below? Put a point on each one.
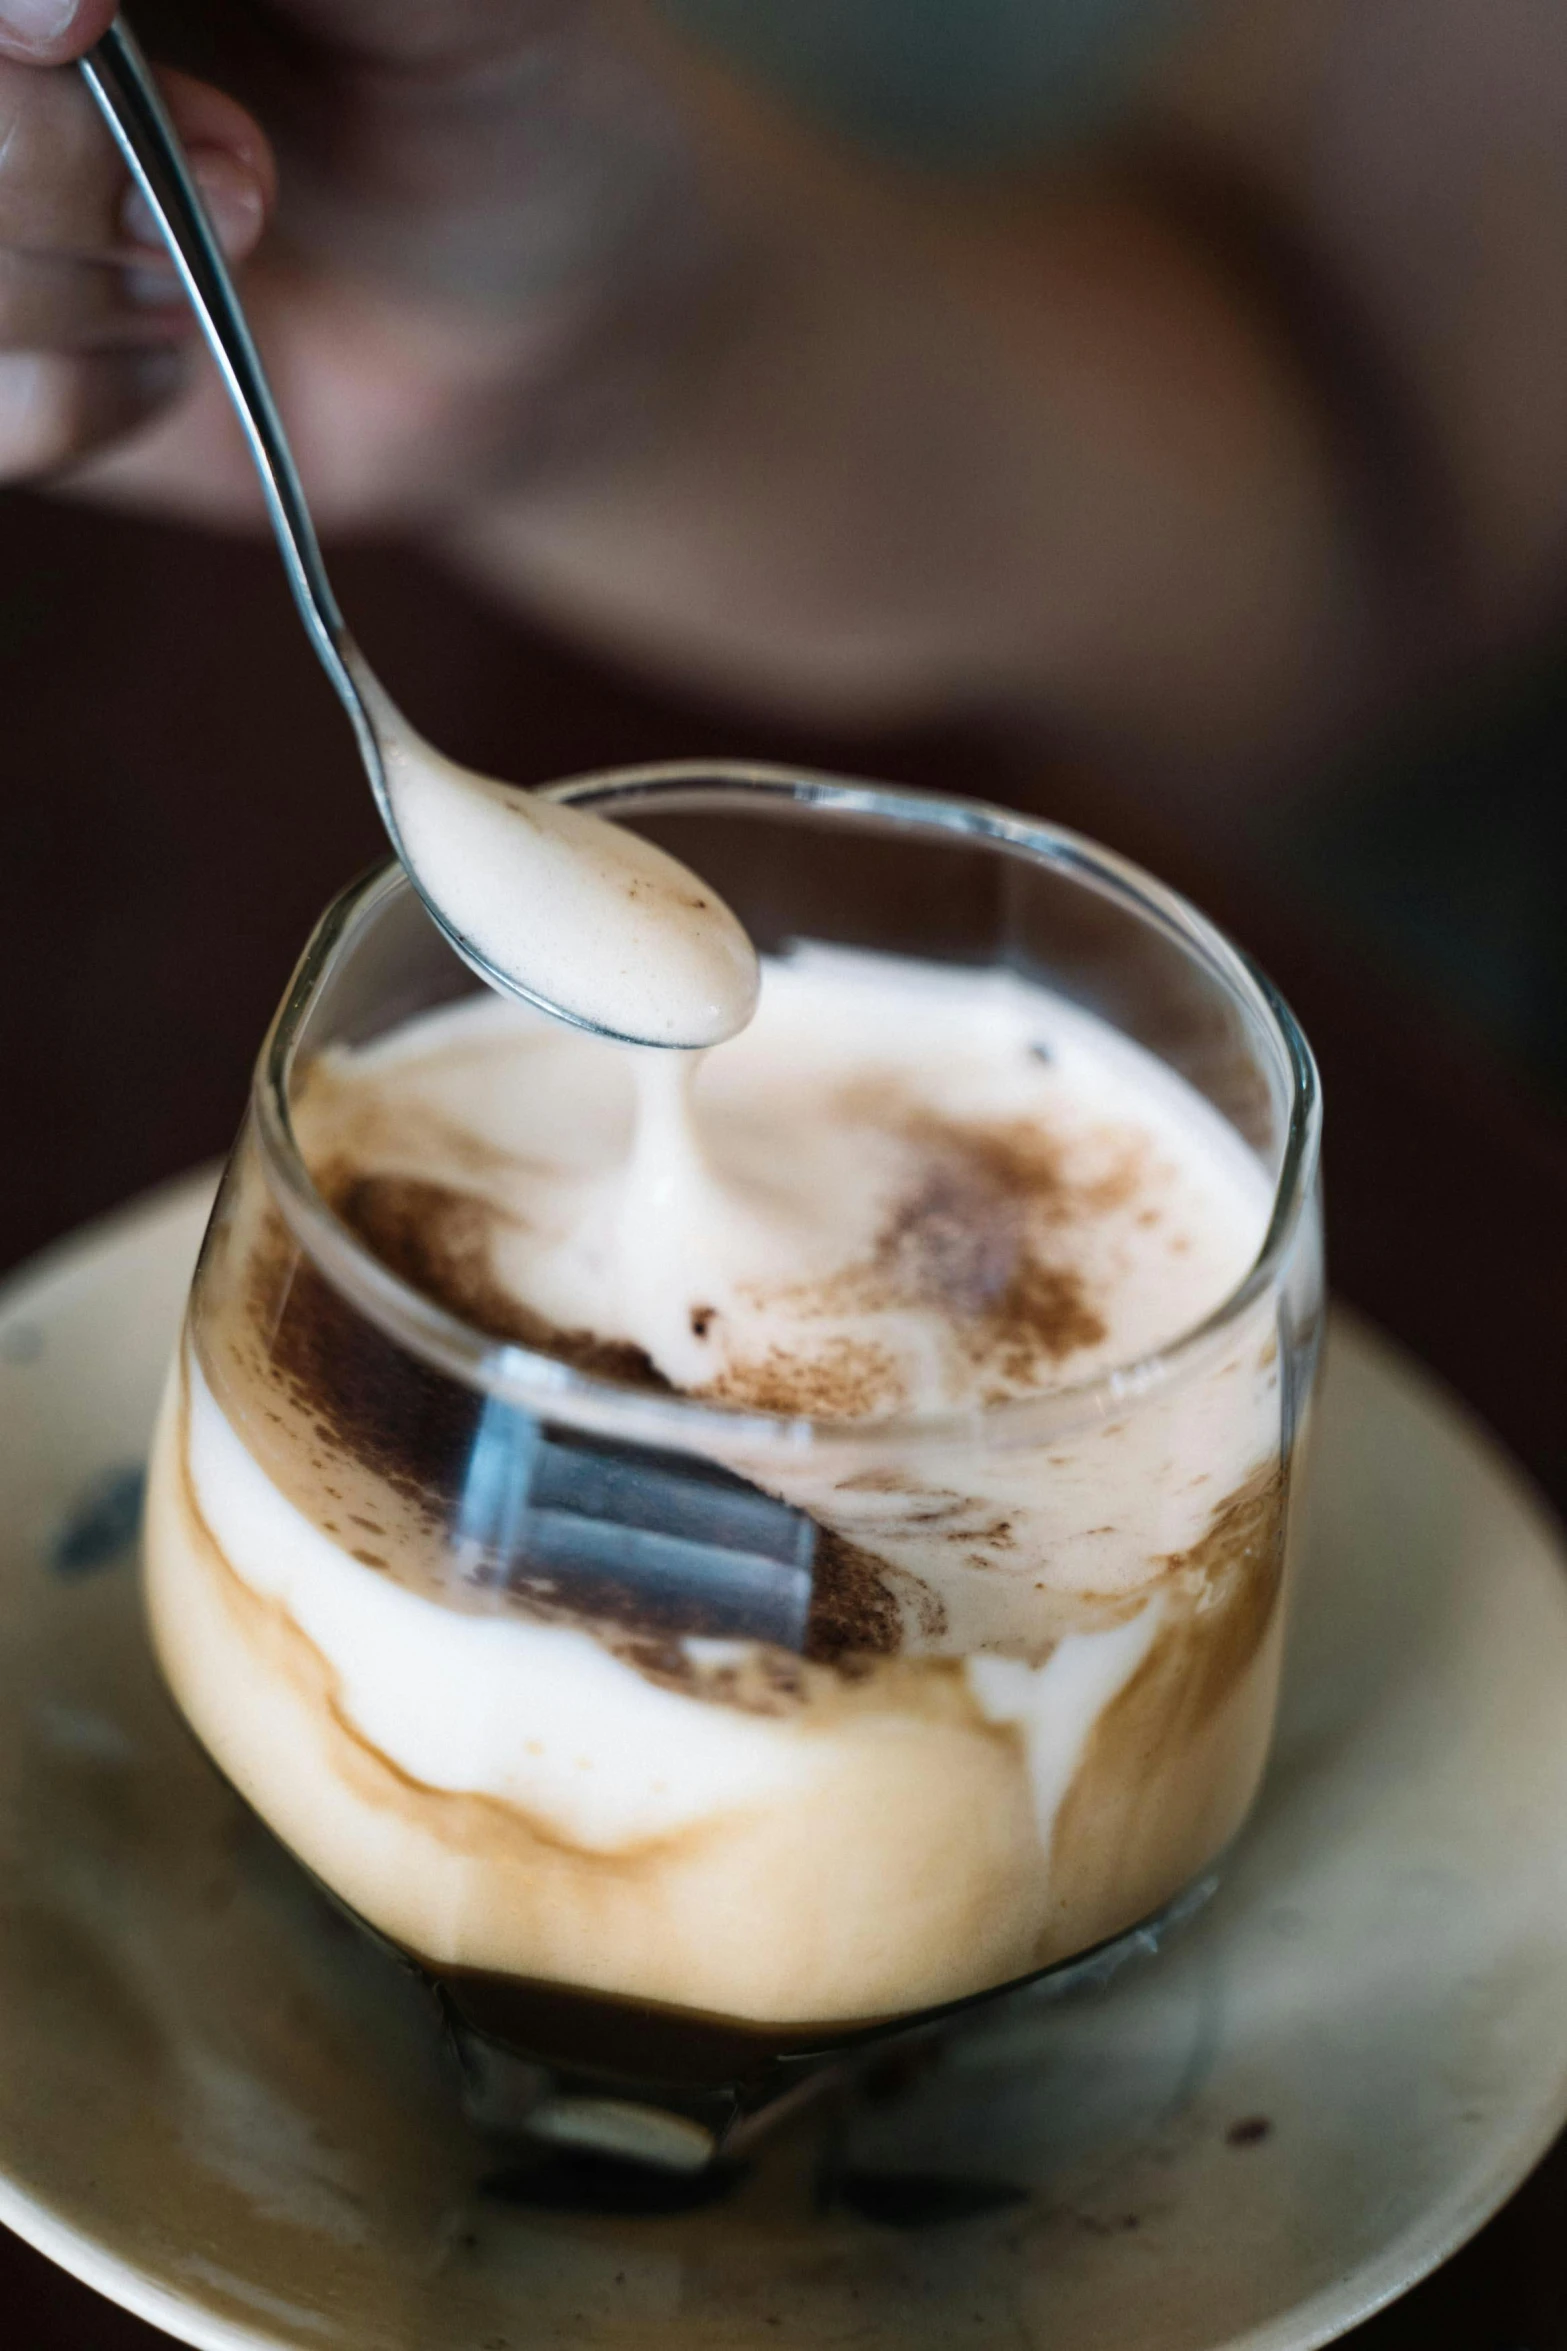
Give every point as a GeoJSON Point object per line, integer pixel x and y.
{"type": "Point", "coordinates": [1039, 1686]}
{"type": "Point", "coordinates": [903, 1190]}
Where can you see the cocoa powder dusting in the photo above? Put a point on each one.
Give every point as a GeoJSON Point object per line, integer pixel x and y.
{"type": "Point", "coordinates": [978, 1237]}
{"type": "Point", "coordinates": [438, 1241]}
{"type": "Point", "coordinates": [853, 1610]}
{"type": "Point", "coordinates": [414, 1428]}
{"type": "Point", "coordinates": [846, 1379]}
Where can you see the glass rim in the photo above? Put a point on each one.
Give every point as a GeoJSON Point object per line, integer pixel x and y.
{"type": "Point", "coordinates": [546, 1387]}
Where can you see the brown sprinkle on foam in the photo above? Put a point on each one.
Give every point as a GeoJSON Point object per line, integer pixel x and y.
{"type": "Point", "coordinates": [846, 1379]}
{"type": "Point", "coordinates": [438, 1240]}
{"type": "Point", "coordinates": [854, 1612]}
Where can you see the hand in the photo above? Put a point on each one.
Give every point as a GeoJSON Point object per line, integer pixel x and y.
{"type": "Point", "coordinates": [1194, 449]}
{"type": "Point", "coordinates": [451, 243]}
{"type": "Point", "coordinates": [93, 336]}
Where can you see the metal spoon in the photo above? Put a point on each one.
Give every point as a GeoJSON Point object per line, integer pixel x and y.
{"type": "Point", "coordinates": [601, 928]}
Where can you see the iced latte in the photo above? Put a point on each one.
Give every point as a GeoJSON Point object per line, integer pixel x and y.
{"type": "Point", "coordinates": [846, 1570]}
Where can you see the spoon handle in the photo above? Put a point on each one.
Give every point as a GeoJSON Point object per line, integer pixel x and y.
{"type": "Point", "coordinates": [121, 81]}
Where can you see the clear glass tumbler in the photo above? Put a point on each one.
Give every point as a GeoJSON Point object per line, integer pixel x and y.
{"type": "Point", "coordinates": [870, 1810]}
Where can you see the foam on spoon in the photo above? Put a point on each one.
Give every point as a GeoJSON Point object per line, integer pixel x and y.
{"type": "Point", "coordinates": [567, 909]}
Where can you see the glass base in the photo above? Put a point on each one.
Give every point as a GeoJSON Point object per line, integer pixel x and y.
{"type": "Point", "coordinates": [548, 2071]}
{"type": "Point", "coordinates": [589, 2099]}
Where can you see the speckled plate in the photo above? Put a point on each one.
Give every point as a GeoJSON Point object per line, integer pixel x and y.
{"type": "Point", "coordinates": [221, 2109]}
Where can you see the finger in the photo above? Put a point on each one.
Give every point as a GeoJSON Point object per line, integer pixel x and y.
{"type": "Point", "coordinates": [73, 300]}
{"type": "Point", "coordinates": [91, 314]}
{"type": "Point", "coordinates": [65, 302]}
{"type": "Point", "coordinates": [80, 299]}
{"type": "Point", "coordinates": [61, 179]}
{"type": "Point", "coordinates": [229, 151]}
{"type": "Point", "coordinates": [48, 32]}
{"type": "Point", "coordinates": [55, 409]}
{"type": "Point", "coordinates": [63, 187]}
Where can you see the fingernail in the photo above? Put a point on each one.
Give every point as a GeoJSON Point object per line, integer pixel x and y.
{"type": "Point", "coordinates": [233, 196]}
{"type": "Point", "coordinates": [231, 193]}
{"type": "Point", "coordinates": [36, 24]}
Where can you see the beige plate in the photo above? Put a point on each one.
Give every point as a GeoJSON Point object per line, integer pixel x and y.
{"type": "Point", "coordinates": [222, 2111]}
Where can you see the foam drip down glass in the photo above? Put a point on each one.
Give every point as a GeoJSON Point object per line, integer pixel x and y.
{"type": "Point", "coordinates": [687, 1732]}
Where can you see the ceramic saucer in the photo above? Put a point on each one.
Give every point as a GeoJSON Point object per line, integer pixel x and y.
{"type": "Point", "coordinates": [222, 2109]}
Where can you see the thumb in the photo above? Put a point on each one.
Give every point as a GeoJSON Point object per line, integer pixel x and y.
{"type": "Point", "coordinates": [51, 32]}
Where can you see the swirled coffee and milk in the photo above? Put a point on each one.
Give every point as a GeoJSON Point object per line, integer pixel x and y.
{"type": "Point", "coordinates": [1034, 1674]}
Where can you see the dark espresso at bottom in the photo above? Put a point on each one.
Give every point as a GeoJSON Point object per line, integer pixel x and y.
{"type": "Point", "coordinates": [1033, 1684]}
{"type": "Point", "coordinates": [628, 2079]}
